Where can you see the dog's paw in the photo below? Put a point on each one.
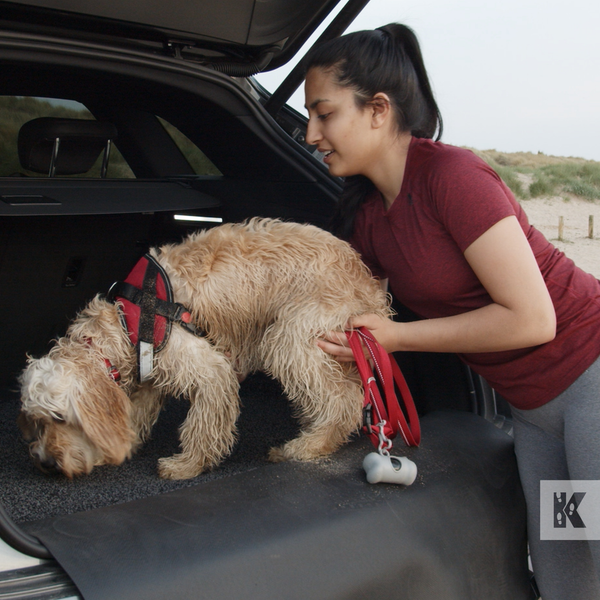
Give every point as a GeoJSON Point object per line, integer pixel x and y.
{"type": "Point", "coordinates": [278, 454]}
{"type": "Point", "coordinates": [298, 449]}
{"type": "Point", "coordinates": [175, 467]}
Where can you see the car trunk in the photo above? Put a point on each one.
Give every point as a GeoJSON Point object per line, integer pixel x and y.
{"type": "Point", "coordinates": [51, 266]}
{"type": "Point", "coordinates": [248, 528]}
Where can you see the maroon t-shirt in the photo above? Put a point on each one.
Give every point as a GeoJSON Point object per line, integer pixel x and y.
{"type": "Point", "coordinates": [449, 198]}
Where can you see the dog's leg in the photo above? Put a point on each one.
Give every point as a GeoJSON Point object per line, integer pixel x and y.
{"type": "Point", "coordinates": [146, 403]}
{"type": "Point", "coordinates": [326, 395]}
{"type": "Point", "coordinates": [190, 367]}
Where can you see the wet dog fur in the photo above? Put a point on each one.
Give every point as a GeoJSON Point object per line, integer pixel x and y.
{"type": "Point", "coordinates": [263, 291]}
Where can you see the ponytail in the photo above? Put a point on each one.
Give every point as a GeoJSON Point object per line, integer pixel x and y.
{"type": "Point", "coordinates": [424, 119]}
{"type": "Point", "coordinates": [388, 60]}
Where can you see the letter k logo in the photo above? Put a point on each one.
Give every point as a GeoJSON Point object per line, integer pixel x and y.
{"type": "Point", "coordinates": [564, 510]}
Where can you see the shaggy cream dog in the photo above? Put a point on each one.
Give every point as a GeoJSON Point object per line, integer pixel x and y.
{"type": "Point", "coordinates": [261, 292]}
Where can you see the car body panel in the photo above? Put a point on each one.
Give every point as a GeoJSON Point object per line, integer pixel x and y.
{"type": "Point", "coordinates": [262, 34]}
{"type": "Point", "coordinates": [240, 22]}
{"type": "Point", "coordinates": [12, 559]}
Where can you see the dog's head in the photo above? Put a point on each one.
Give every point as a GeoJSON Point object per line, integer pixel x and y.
{"type": "Point", "coordinates": [73, 414]}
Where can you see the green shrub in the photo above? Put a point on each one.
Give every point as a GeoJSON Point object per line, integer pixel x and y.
{"type": "Point", "coordinates": [541, 186]}
{"type": "Point", "coordinates": [509, 176]}
{"type": "Point", "coordinates": [591, 172]}
{"type": "Point", "coordinates": [583, 188]}
{"type": "Point", "coordinates": [579, 179]}
{"type": "Point", "coordinates": [552, 176]}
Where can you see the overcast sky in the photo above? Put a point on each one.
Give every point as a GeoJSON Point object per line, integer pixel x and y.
{"type": "Point", "coordinates": [512, 75]}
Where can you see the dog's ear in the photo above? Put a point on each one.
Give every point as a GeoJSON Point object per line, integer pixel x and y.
{"type": "Point", "coordinates": [28, 426]}
{"type": "Point", "coordinates": [104, 416]}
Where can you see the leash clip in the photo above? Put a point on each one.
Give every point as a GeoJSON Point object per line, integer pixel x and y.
{"type": "Point", "coordinates": [385, 444]}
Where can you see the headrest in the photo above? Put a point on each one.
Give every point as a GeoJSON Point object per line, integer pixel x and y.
{"type": "Point", "coordinates": [80, 144]}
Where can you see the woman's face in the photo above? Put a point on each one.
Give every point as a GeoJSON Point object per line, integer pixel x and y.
{"type": "Point", "coordinates": [337, 126]}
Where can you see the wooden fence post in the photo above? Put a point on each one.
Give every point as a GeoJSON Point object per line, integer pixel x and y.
{"type": "Point", "coordinates": [561, 227]}
{"type": "Point", "coordinates": [591, 227]}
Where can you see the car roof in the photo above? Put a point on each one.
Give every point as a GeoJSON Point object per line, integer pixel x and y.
{"type": "Point", "coordinates": [263, 35]}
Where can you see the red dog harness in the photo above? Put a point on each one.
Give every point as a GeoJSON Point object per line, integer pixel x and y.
{"type": "Point", "coordinates": [384, 418]}
{"type": "Point", "coordinates": [148, 310]}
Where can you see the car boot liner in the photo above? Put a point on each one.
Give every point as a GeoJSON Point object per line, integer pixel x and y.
{"type": "Point", "coordinates": [317, 530]}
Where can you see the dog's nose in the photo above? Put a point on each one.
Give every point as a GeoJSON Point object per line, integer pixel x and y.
{"type": "Point", "coordinates": [46, 464]}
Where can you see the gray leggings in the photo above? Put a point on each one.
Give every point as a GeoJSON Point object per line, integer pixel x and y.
{"type": "Point", "coordinates": [561, 440]}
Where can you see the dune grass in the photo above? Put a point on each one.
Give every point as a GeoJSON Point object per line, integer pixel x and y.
{"type": "Point", "coordinates": [532, 175]}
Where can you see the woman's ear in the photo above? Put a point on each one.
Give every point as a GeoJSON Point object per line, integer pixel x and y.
{"type": "Point", "coordinates": [381, 108]}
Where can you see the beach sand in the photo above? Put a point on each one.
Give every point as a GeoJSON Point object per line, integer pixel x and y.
{"type": "Point", "coordinates": [544, 214]}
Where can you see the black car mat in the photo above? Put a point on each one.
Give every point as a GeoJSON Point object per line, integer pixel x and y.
{"type": "Point", "coordinates": [29, 495]}
{"type": "Point", "coordinates": [317, 530]}
{"type": "Point", "coordinates": [266, 420]}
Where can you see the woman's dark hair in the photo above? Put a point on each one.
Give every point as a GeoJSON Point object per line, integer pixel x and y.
{"type": "Point", "coordinates": [388, 60]}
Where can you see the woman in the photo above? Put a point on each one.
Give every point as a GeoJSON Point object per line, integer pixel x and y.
{"type": "Point", "coordinates": [441, 227]}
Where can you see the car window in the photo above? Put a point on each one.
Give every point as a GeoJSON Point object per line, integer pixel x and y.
{"type": "Point", "coordinates": [197, 159]}
{"type": "Point", "coordinates": [15, 111]}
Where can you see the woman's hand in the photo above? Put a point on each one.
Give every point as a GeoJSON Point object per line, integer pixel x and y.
{"type": "Point", "coordinates": [383, 330]}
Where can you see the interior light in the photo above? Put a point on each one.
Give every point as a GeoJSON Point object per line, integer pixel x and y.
{"type": "Point", "coordinates": [195, 218]}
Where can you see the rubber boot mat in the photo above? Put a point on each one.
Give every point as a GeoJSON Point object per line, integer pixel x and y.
{"type": "Point", "coordinates": [317, 530]}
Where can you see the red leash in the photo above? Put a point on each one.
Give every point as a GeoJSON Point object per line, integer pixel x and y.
{"type": "Point", "coordinates": [387, 413]}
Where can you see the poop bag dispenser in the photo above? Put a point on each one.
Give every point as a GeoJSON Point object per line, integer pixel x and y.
{"type": "Point", "coordinates": [383, 468]}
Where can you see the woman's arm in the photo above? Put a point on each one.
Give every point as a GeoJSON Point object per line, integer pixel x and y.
{"type": "Point", "coordinates": [521, 314]}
